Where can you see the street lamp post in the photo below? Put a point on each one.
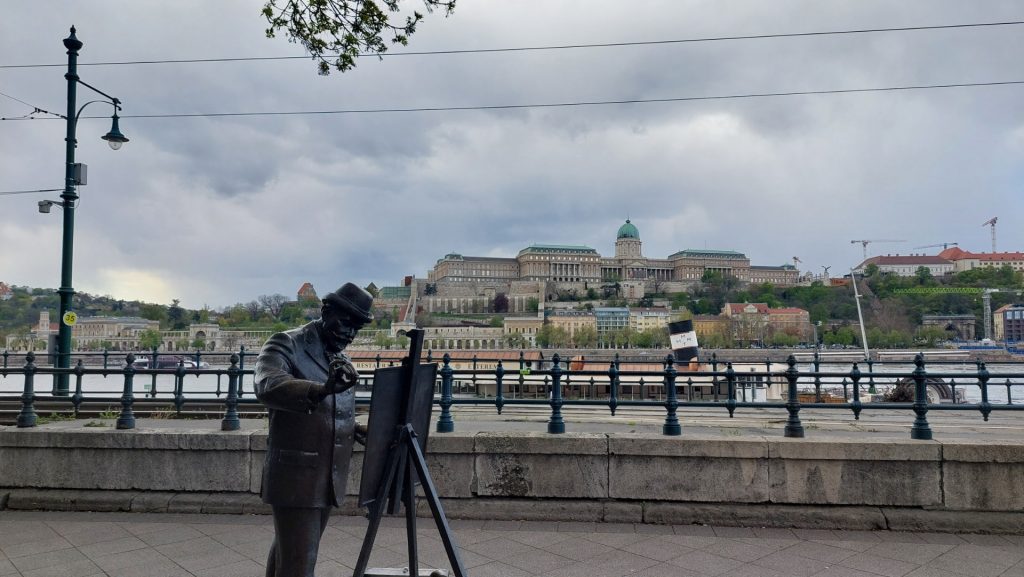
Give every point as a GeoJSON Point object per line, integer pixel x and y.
{"type": "Point", "coordinates": [72, 178]}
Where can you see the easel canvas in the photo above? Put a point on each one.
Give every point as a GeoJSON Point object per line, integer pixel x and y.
{"type": "Point", "coordinates": [386, 413]}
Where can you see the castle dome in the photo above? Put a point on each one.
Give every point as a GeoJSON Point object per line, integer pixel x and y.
{"type": "Point", "coordinates": [628, 230]}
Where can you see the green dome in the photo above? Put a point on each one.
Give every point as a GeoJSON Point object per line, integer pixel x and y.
{"type": "Point", "coordinates": [628, 230]}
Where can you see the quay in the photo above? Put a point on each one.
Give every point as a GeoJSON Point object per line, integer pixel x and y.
{"type": "Point", "coordinates": [87, 501]}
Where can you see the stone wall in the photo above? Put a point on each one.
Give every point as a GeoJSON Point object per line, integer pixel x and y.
{"type": "Point", "coordinates": [767, 481]}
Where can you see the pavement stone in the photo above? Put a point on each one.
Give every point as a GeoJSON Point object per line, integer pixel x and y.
{"type": "Point", "coordinates": [81, 544]}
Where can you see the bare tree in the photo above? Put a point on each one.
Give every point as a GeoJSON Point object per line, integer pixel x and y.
{"type": "Point", "coordinates": [273, 304]}
{"type": "Point", "coordinates": [254, 309]}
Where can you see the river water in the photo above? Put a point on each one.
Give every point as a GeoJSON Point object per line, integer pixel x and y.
{"type": "Point", "coordinates": [884, 375]}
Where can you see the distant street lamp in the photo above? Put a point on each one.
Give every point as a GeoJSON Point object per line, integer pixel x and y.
{"type": "Point", "coordinates": [74, 175]}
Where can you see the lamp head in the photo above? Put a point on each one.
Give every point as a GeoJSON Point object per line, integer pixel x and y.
{"type": "Point", "coordinates": [44, 206]}
{"type": "Point", "coordinates": [114, 138]}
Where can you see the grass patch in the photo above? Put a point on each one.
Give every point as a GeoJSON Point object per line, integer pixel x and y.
{"type": "Point", "coordinates": [165, 413]}
{"type": "Point", "coordinates": [109, 414]}
{"type": "Point", "coordinates": [54, 418]}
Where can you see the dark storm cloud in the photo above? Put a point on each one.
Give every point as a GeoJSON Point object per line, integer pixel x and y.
{"type": "Point", "coordinates": [221, 210]}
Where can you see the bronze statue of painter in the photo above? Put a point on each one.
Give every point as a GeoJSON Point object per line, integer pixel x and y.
{"type": "Point", "coordinates": [305, 380]}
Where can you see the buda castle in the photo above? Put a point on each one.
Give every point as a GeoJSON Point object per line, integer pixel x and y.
{"type": "Point", "coordinates": [575, 267]}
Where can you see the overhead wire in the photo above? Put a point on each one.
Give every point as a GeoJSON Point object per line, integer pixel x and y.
{"type": "Point", "coordinates": [7, 192]}
{"type": "Point", "coordinates": [567, 104]}
{"type": "Point", "coordinates": [543, 48]}
{"type": "Point", "coordinates": [28, 116]}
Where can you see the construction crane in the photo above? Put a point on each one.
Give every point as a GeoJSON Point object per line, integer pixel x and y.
{"type": "Point", "coordinates": [865, 243]}
{"type": "Point", "coordinates": [944, 245]}
{"type": "Point", "coordinates": [992, 222]}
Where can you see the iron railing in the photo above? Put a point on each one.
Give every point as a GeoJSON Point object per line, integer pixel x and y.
{"type": "Point", "coordinates": [556, 383]}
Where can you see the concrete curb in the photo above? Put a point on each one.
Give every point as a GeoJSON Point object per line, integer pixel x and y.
{"type": "Point", "coordinates": [774, 515]}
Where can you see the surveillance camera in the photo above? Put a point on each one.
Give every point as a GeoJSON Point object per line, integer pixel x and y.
{"type": "Point", "coordinates": [44, 206]}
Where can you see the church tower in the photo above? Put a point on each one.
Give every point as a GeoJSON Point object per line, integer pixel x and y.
{"type": "Point", "coordinates": [627, 242]}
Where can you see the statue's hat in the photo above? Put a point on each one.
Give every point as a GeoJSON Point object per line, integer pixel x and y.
{"type": "Point", "coordinates": [354, 300]}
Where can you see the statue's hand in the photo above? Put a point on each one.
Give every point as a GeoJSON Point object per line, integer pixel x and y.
{"type": "Point", "coordinates": [342, 375]}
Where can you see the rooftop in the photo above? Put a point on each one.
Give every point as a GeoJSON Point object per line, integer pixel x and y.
{"type": "Point", "coordinates": [708, 253]}
{"type": "Point", "coordinates": [558, 248]}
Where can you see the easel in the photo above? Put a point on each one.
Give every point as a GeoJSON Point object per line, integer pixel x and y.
{"type": "Point", "coordinates": [404, 405]}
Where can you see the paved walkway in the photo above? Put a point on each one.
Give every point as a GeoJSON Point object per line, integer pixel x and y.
{"type": "Point", "coordinates": [37, 544]}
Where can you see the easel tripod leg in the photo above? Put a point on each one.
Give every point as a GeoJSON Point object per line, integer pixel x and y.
{"type": "Point", "coordinates": [376, 514]}
{"type": "Point", "coordinates": [435, 508]}
{"type": "Point", "coordinates": [410, 518]}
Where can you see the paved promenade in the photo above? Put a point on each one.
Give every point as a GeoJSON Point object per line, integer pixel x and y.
{"type": "Point", "coordinates": [37, 544]}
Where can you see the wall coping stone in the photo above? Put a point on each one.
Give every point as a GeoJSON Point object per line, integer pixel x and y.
{"type": "Point", "coordinates": [855, 450]}
{"type": "Point", "coordinates": [650, 445]}
{"type": "Point", "coordinates": [140, 438]}
{"type": "Point", "coordinates": [541, 443]}
{"type": "Point", "coordinates": [1003, 452]}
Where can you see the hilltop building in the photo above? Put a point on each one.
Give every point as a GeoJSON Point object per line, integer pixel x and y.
{"type": "Point", "coordinates": [963, 260]}
{"type": "Point", "coordinates": [306, 293]}
{"type": "Point", "coordinates": [907, 265]}
{"type": "Point", "coordinates": [6, 293]}
{"type": "Point", "coordinates": [576, 267]}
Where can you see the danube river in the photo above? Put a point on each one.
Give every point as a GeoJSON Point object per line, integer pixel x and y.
{"type": "Point", "coordinates": [209, 384]}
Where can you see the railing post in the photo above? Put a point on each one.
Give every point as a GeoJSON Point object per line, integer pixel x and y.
{"type": "Point", "coordinates": [555, 424]}
{"type": "Point", "coordinates": [983, 378]}
{"type": "Point", "coordinates": [921, 430]}
{"type": "Point", "coordinates": [499, 393]}
{"type": "Point", "coordinates": [76, 399]}
{"type": "Point", "coordinates": [179, 387]}
{"type": "Point", "coordinates": [730, 380]}
{"type": "Point", "coordinates": [794, 428]}
{"type": "Point", "coordinates": [445, 424]}
{"type": "Point", "coordinates": [855, 406]}
{"type": "Point", "coordinates": [106, 357]}
{"type": "Point", "coordinates": [27, 416]}
{"type": "Point", "coordinates": [817, 377]}
{"type": "Point", "coordinates": [714, 377]}
{"type": "Point", "coordinates": [871, 377]}
{"type": "Point", "coordinates": [522, 373]}
{"type": "Point", "coordinates": [230, 421]}
{"type": "Point", "coordinates": [476, 390]}
{"type": "Point", "coordinates": [671, 426]}
{"type": "Point", "coordinates": [153, 365]}
{"type": "Point", "coordinates": [613, 386]}
{"type": "Point", "coordinates": [6, 354]}
{"type": "Point", "coordinates": [126, 420]}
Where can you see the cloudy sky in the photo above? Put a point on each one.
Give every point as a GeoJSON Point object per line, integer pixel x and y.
{"type": "Point", "coordinates": [214, 211]}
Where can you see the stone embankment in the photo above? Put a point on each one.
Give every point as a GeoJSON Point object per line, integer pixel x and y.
{"type": "Point", "coordinates": [761, 481]}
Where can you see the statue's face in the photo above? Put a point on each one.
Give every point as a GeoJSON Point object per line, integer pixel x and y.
{"type": "Point", "coordinates": [339, 328]}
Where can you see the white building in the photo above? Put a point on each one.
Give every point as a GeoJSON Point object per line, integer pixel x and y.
{"type": "Point", "coordinates": [907, 265]}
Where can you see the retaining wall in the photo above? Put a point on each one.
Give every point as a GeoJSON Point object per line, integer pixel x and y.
{"type": "Point", "coordinates": [848, 484]}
